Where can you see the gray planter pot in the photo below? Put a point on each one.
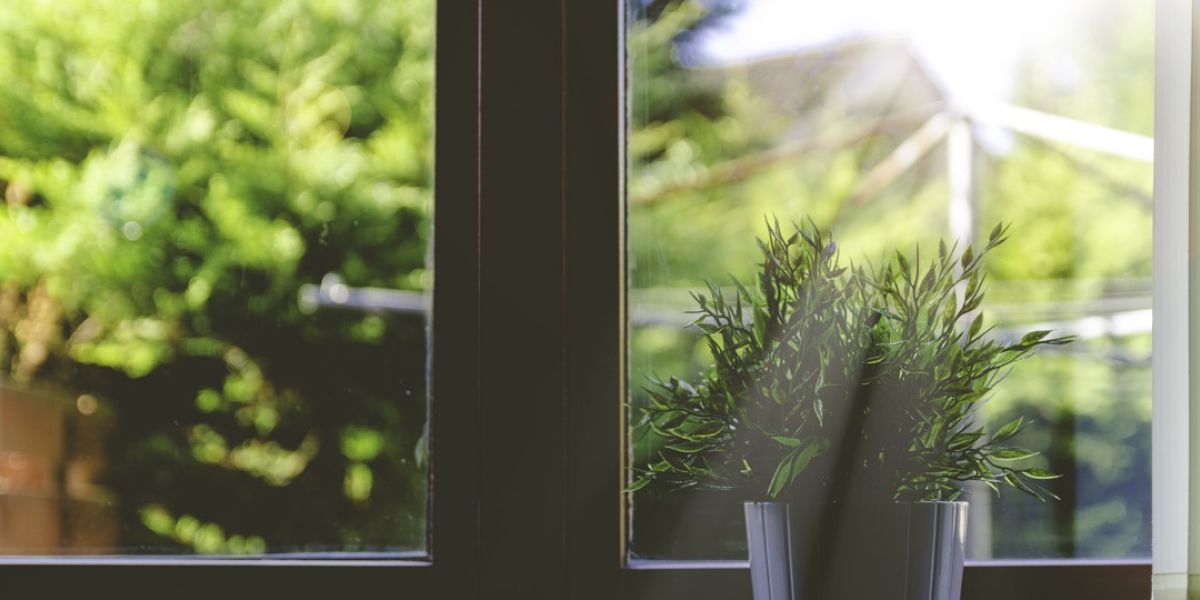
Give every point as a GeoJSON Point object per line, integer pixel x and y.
{"type": "Point", "coordinates": [893, 551]}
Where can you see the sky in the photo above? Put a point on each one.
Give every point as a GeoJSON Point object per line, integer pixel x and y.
{"type": "Point", "coordinates": [970, 45]}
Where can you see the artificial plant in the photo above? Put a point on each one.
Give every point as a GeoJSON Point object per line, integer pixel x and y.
{"type": "Point", "coordinates": [833, 384]}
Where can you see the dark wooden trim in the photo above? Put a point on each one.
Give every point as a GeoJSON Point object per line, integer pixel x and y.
{"type": "Point", "coordinates": [595, 341]}
{"type": "Point", "coordinates": [137, 579]}
{"type": "Point", "coordinates": [1055, 580]}
{"type": "Point", "coordinates": [521, 438]}
{"type": "Point", "coordinates": [683, 584]}
{"type": "Point", "coordinates": [455, 345]}
{"type": "Point", "coordinates": [595, 274]}
{"type": "Point", "coordinates": [998, 580]}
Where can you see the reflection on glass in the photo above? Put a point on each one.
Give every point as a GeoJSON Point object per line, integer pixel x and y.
{"type": "Point", "coordinates": [895, 124]}
{"type": "Point", "coordinates": [194, 196]}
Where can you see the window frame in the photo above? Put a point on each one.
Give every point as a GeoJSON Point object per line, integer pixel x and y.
{"type": "Point", "coordinates": [529, 353]}
{"type": "Point", "coordinates": [597, 373]}
{"type": "Point", "coordinates": [1174, 426]}
{"type": "Point", "coordinates": [449, 567]}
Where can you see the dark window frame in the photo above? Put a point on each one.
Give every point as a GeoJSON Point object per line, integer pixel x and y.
{"type": "Point", "coordinates": [595, 166]}
{"type": "Point", "coordinates": [448, 570]}
{"type": "Point", "coordinates": [528, 354]}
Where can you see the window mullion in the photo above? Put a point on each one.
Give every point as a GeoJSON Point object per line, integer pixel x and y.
{"type": "Point", "coordinates": [595, 300]}
{"type": "Point", "coordinates": [454, 406]}
{"type": "Point", "coordinates": [521, 287]}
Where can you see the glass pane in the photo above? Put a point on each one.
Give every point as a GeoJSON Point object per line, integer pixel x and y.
{"type": "Point", "coordinates": [214, 276]}
{"type": "Point", "coordinates": [891, 126]}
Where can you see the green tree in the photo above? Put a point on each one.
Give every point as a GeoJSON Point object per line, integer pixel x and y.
{"type": "Point", "coordinates": [173, 173]}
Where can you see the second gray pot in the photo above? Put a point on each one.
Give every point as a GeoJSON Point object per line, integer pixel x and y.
{"type": "Point", "coordinates": [892, 551]}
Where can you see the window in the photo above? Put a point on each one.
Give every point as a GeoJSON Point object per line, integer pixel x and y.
{"type": "Point", "coordinates": [215, 278]}
{"type": "Point", "coordinates": [676, 167]}
{"type": "Point", "coordinates": [894, 126]}
{"type": "Point", "coordinates": [528, 347]}
{"type": "Point", "coordinates": [337, 124]}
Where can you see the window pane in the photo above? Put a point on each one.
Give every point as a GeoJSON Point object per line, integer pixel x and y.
{"type": "Point", "coordinates": [893, 125]}
{"type": "Point", "coordinates": [214, 276]}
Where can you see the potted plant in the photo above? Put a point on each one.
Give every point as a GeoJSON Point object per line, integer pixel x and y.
{"type": "Point", "coordinates": [841, 406]}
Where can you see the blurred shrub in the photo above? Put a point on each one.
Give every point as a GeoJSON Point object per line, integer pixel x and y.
{"type": "Point", "coordinates": [172, 173]}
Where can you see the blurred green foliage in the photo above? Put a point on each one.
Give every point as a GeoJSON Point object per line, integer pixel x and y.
{"type": "Point", "coordinates": [172, 173]}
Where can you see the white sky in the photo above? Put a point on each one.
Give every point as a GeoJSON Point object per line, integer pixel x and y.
{"type": "Point", "coordinates": [971, 45]}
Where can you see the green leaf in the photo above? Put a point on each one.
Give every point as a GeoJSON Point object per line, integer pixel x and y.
{"type": "Point", "coordinates": [790, 442]}
{"type": "Point", "coordinates": [972, 304]}
{"type": "Point", "coordinates": [1040, 474]}
{"type": "Point", "coordinates": [781, 478]}
{"type": "Point", "coordinates": [976, 326]}
{"type": "Point", "coordinates": [1034, 336]}
{"type": "Point", "coordinates": [638, 484]}
{"type": "Point", "coordinates": [1010, 429]}
{"type": "Point", "coordinates": [963, 441]}
{"type": "Point", "coordinates": [1012, 479]}
{"type": "Point", "coordinates": [674, 421]}
{"type": "Point", "coordinates": [1010, 454]}
{"type": "Point", "coordinates": [689, 447]}
{"type": "Point", "coordinates": [793, 465]}
{"type": "Point", "coordinates": [806, 456]}
{"type": "Point", "coordinates": [927, 281]}
{"type": "Point", "coordinates": [973, 283]}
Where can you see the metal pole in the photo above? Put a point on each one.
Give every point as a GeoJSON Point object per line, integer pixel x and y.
{"type": "Point", "coordinates": [961, 176]}
{"type": "Point", "coordinates": [962, 218]}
